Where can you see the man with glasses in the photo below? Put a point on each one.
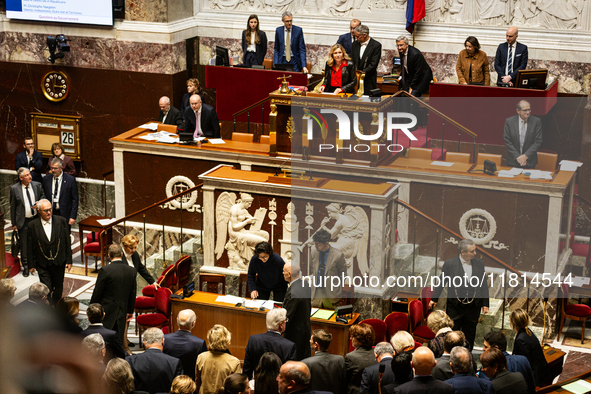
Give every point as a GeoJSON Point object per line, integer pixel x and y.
{"type": "Point", "coordinates": [49, 249]}
{"type": "Point", "coordinates": [523, 137]}
{"type": "Point", "coordinates": [289, 44]}
{"type": "Point", "coordinates": [61, 189]}
{"type": "Point", "coordinates": [31, 159]}
{"type": "Point", "coordinates": [347, 39]}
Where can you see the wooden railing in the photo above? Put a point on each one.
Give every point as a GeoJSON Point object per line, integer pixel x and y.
{"type": "Point", "coordinates": [247, 110]}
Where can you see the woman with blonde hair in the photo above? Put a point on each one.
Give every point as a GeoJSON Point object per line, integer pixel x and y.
{"type": "Point", "coordinates": [193, 87]}
{"type": "Point", "coordinates": [528, 345]}
{"type": "Point", "coordinates": [183, 384]}
{"type": "Point", "coordinates": [118, 378]}
{"type": "Point", "coordinates": [215, 365]}
{"type": "Point", "coordinates": [254, 43]}
{"type": "Point", "coordinates": [340, 75]}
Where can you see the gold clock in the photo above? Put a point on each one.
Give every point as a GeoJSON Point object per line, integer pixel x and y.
{"type": "Point", "coordinates": [55, 86]}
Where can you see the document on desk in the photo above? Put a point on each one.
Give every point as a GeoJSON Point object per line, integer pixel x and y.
{"type": "Point", "coordinates": [230, 299]}
{"type": "Point", "coordinates": [514, 171]}
{"type": "Point", "coordinates": [324, 314]}
{"type": "Point", "coordinates": [579, 281]}
{"type": "Point", "coordinates": [578, 387]}
{"type": "Point", "coordinates": [269, 304]}
{"type": "Point", "coordinates": [505, 174]}
{"type": "Point", "coordinates": [149, 126]}
{"type": "Point", "coordinates": [254, 303]}
{"type": "Point", "coordinates": [216, 141]}
{"type": "Point", "coordinates": [569, 165]}
{"type": "Point", "coordinates": [442, 163]}
{"type": "Point", "coordinates": [537, 174]}
{"type": "Point", "coordinates": [313, 311]}
{"type": "Point", "coordinates": [104, 222]}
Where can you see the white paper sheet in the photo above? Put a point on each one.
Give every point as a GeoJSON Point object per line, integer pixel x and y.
{"type": "Point", "coordinates": [269, 304]}
{"type": "Point", "coordinates": [569, 165]}
{"type": "Point", "coordinates": [313, 311]}
{"type": "Point", "coordinates": [216, 141]}
{"type": "Point", "coordinates": [254, 303]}
{"type": "Point", "coordinates": [514, 171]}
{"type": "Point", "coordinates": [504, 174]}
{"type": "Point", "coordinates": [149, 126]}
{"type": "Point", "coordinates": [229, 299]}
{"type": "Point", "coordinates": [442, 163]}
{"type": "Point", "coordinates": [104, 222]}
{"type": "Point", "coordinates": [579, 281]}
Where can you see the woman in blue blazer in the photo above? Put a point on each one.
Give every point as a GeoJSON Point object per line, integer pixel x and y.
{"type": "Point", "coordinates": [254, 43]}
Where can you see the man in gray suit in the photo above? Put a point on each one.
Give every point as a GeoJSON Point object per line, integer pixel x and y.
{"type": "Point", "coordinates": [523, 137]}
{"type": "Point", "coordinates": [327, 262]}
{"type": "Point", "coordinates": [327, 370]}
{"type": "Point", "coordinates": [23, 209]}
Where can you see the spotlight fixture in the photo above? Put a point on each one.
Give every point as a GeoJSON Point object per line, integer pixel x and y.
{"type": "Point", "coordinates": [58, 47]}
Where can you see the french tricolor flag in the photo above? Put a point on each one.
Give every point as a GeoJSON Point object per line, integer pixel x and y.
{"type": "Point", "coordinates": [415, 11]}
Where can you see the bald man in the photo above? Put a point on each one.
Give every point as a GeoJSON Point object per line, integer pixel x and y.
{"type": "Point", "coordinates": [423, 362]}
{"type": "Point", "coordinates": [184, 345]}
{"type": "Point", "coordinates": [294, 377]}
{"type": "Point", "coordinates": [511, 57]}
{"type": "Point", "coordinates": [201, 120]}
{"type": "Point", "coordinates": [298, 304]}
{"type": "Point", "coordinates": [169, 114]}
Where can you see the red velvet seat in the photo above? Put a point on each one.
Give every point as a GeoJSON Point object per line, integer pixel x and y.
{"type": "Point", "coordinates": [93, 249]}
{"type": "Point", "coordinates": [147, 302]}
{"type": "Point", "coordinates": [379, 328]}
{"type": "Point", "coordinates": [419, 332]}
{"type": "Point", "coordinates": [395, 321]}
{"type": "Point", "coordinates": [578, 312]}
{"type": "Point", "coordinates": [183, 271]}
{"type": "Point", "coordinates": [425, 297]}
{"type": "Point", "coordinates": [161, 318]}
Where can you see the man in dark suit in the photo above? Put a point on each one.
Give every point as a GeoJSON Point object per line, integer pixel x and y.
{"type": "Point", "coordinates": [115, 290]}
{"type": "Point", "coordinates": [327, 262]}
{"type": "Point", "coordinates": [61, 189]}
{"type": "Point", "coordinates": [494, 365]}
{"type": "Point", "coordinates": [31, 159]}
{"type": "Point", "coordinates": [270, 341]}
{"type": "Point", "coordinates": [511, 57]}
{"type": "Point", "coordinates": [208, 125]}
{"type": "Point", "coordinates": [49, 249]}
{"type": "Point", "coordinates": [443, 371]}
{"type": "Point", "coordinates": [96, 314]}
{"type": "Point", "coordinates": [370, 378]}
{"type": "Point", "coordinates": [523, 137]}
{"type": "Point", "coordinates": [415, 72]}
{"type": "Point", "coordinates": [169, 114]}
{"type": "Point", "coordinates": [154, 371]}
{"type": "Point", "coordinates": [294, 377]}
{"type": "Point", "coordinates": [464, 302]}
{"type": "Point", "coordinates": [463, 381]}
{"type": "Point", "coordinates": [327, 370]}
{"type": "Point", "coordinates": [366, 54]}
{"type": "Point", "coordinates": [347, 39]}
{"type": "Point", "coordinates": [515, 363]}
{"type": "Point", "coordinates": [23, 209]}
{"type": "Point", "coordinates": [423, 362]}
{"type": "Point", "coordinates": [294, 52]}
{"type": "Point", "coordinates": [184, 345]}
{"type": "Point", "coordinates": [298, 305]}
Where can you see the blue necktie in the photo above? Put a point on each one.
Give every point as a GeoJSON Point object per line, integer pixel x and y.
{"type": "Point", "coordinates": [510, 68]}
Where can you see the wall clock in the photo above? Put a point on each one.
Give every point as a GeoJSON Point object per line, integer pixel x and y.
{"type": "Point", "coordinates": [55, 86]}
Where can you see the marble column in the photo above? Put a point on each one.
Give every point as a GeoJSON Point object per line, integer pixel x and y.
{"type": "Point", "coordinates": [404, 217]}
{"type": "Point", "coordinates": [208, 223]}
{"type": "Point", "coordinates": [553, 235]}
{"type": "Point", "coordinates": [119, 174]}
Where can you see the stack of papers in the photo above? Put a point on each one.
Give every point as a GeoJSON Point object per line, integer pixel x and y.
{"type": "Point", "coordinates": [505, 174]}
{"type": "Point", "coordinates": [230, 299]}
{"type": "Point", "coordinates": [442, 163]}
{"type": "Point", "coordinates": [104, 222]}
{"type": "Point", "coordinates": [216, 141]}
{"type": "Point", "coordinates": [567, 165]}
{"type": "Point", "coordinates": [149, 126]}
{"type": "Point", "coordinates": [162, 136]}
{"type": "Point", "coordinates": [538, 174]}
{"type": "Point", "coordinates": [579, 281]}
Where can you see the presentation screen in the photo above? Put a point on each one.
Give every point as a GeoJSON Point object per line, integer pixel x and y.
{"type": "Point", "coordinates": [94, 12]}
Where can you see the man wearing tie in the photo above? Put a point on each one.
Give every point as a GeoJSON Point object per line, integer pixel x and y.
{"type": "Point", "coordinates": [289, 44]}
{"type": "Point", "coordinates": [31, 159]}
{"type": "Point", "coordinates": [347, 39]}
{"type": "Point", "coordinates": [201, 120]}
{"type": "Point", "coordinates": [49, 249]}
{"type": "Point", "coordinates": [327, 262]}
{"type": "Point", "coordinates": [511, 57]}
{"type": "Point", "coordinates": [62, 189]}
{"type": "Point", "coordinates": [366, 53]}
{"type": "Point", "coordinates": [415, 71]}
{"type": "Point", "coordinates": [523, 137]}
{"type": "Point", "coordinates": [23, 209]}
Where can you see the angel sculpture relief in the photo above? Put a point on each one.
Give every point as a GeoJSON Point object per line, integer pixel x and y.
{"type": "Point", "coordinates": [232, 214]}
{"type": "Point", "coordinates": [351, 231]}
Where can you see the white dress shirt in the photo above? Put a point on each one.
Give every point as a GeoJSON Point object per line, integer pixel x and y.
{"type": "Point", "coordinates": [59, 188]}
{"type": "Point", "coordinates": [362, 48]}
{"type": "Point", "coordinates": [47, 228]}
{"type": "Point", "coordinates": [29, 213]}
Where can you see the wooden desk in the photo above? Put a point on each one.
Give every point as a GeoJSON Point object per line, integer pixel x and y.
{"type": "Point", "coordinates": [242, 322]}
{"type": "Point", "coordinates": [402, 306]}
{"type": "Point", "coordinates": [407, 162]}
{"type": "Point", "coordinates": [91, 224]}
{"type": "Point", "coordinates": [555, 361]}
{"type": "Point", "coordinates": [557, 388]}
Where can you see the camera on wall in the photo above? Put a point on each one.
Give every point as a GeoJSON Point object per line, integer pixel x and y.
{"type": "Point", "coordinates": [58, 47]}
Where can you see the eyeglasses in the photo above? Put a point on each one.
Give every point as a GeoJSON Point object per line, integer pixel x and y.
{"type": "Point", "coordinates": [525, 110]}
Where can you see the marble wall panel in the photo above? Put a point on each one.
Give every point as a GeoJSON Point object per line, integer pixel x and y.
{"type": "Point", "coordinates": [146, 10]}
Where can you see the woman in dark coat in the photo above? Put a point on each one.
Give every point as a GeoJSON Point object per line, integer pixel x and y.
{"type": "Point", "coordinates": [254, 43]}
{"type": "Point", "coordinates": [340, 75]}
{"type": "Point", "coordinates": [362, 339]}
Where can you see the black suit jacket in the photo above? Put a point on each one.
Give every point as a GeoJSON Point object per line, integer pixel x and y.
{"type": "Point", "coordinates": [37, 162]}
{"type": "Point", "coordinates": [174, 117]}
{"type": "Point", "coordinates": [18, 201]}
{"type": "Point", "coordinates": [368, 63]}
{"type": "Point", "coordinates": [371, 377]}
{"type": "Point", "coordinates": [40, 247]}
{"type": "Point", "coordinates": [533, 140]}
{"type": "Point", "coordinates": [419, 74]}
{"type": "Point", "coordinates": [346, 41]}
{"type": "Point", "coordinates": [186, 347]}
{"type": "Point", "coordinates": [261, 48]}
{"type": "Point", "coordinates": [452, 268]}
{"type": "Point", "coordinates": [529, 347]}
{"type": "Point", "coordinates": [68, 197]}
{"type": "Point", "coordinates": [210, 125]}
{"type": "Point", "coordinates": [519, 61]}
{"type": "Point", "coordinates": [111, 338]}
{"type": "Point", "coordinates": [509, 383]}
{"type": "Point", "coordinates": [139, 267]}
{"type": "Point", "coordinates": [355, 362]}
{"type": "Point", "coordinates": [154, 371]}
{"type": "Point", "coordinates": [185, 103]}
{"type": "Point", "coordinates": [327, 372]}
{"type": "Point", "coordinates": [424, 385]}
{"type": "Point", "coordinates": [349, 77]}
{"type": "Point", "coordinates": [269, 341]}
{"type": "Point", "coordinates": [115, 290]}
{"type": "Point", "coordinates": [298, 304]}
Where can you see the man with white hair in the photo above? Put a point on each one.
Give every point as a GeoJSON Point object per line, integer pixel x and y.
{"type": "Point", "coordinates": [464, 381]}
{"type": "Point", "coordinates": [154, 371]}
{"type": "Point", "coordinates": [94, 345]}
{"type": "Point", "coordinates": [270, 341]}
{"type": "Point", "coordinates": [184, 345]}
{"type": "Point", "coordinates": [169, 114]}
{"type": "Point", "coordinates": [370, 379]}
